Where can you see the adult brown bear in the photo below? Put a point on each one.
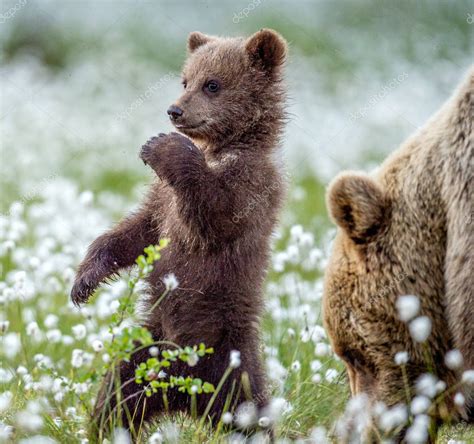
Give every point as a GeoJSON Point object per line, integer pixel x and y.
{"type": "Point", "coordinates": [407, 230]}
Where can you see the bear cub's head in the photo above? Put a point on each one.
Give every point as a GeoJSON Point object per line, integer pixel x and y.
{"type": "Point", "coordinates": [230, 84]}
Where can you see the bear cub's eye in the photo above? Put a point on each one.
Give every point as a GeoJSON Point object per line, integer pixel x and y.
{"type": "Point", "coordinates": [184, 84]}
{"type": "Point", "coordinates": [212, 86]}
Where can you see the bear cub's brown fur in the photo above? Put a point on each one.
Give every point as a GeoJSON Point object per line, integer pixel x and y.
{"type": "Point", "coordinates": [212, 201]}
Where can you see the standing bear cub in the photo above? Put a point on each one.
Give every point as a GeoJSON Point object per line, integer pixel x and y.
{"type": "Point", "coordinates": [407, 230]}
{"type": "Point", "coordinates": [232, 112]}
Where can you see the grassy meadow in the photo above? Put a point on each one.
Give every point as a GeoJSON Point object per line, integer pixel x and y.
{"type": "Point", "coordinates": [74, 113]}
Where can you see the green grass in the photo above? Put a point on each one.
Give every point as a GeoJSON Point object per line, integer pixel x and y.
{"type": "Point", "coordinates": [312, 404]}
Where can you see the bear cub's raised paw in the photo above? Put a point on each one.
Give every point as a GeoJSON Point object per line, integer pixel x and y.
{"type": "Point", "coordinates": [148, 149]}
{"type": "Point", "coordinates": [168, 153]}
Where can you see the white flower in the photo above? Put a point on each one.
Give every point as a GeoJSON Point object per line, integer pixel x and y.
{"type": "Point", "coordinates": [51, 321]}
{"type": "Point", "coordinates": [322, 349]}
{"type": "Point", "coordinates": [193, 359]}
{"type": "Point", "coordinates": [151, 374]}
{"type": "Point", "coordinates": [316, 378]}
{"type": "Point", "coordinates": [156, 438]}
{"type": "Point", "coordinates": [305, 335]}
{"type": "Point", "coordinates": [67, 340]}
{"type": "Point", "coordinates": [264, 422]}
{"type": "Point", "coordinates": [114, 306]}
{"type": "Point", "coordinates": [291, 332]}
{"type": "Point", "coordinates": [86, 197]}
{"type": "Point", "coordinates": [97, 346]}
{"type": "Point", "coordinates": [170, 281]}
{"type": "Point", "coordinates": [80, 388]}
{"type": "Point", "coordinates": [316, 365]}
{"type": "Point", "coordinates": [379, 408]}
{"type": "Point", "coordinates": [401, 358]}
{"type": "Point", "coordinates": [315, 333]}
{"type": "Point", "coordinates": [77, 358]}
{"type": "Point", "coordinates": [459, 399]}
{"type": "Point", "coordinates": [426, 385]}
{"type": "Point", "coordinates": [21, 370]}
{"type": "Point", "coordinates": [468, 377]}
{"type": "Point", "coordinates": [418, 432]}
{"type": "Point", "coordinates": [16, 209]}
{"type": "Point", "coordinates": [20, 277]}
{"type": "Point", "coordinates": [34, 262]}
{"type": "Point", "coordinates": [35, 406]}
{"type": "Point", "coordinates": [420, 328]}
{"type": "Point", "coordinates": [54, 336]}
{"type": "Point", "coordinates": [246, 415]}
{"type": "Point", "coordinates": [331, 375]}
{"type": "Point", "coordinates": [29, 421]}
{"type": "Point", "coordinates": [32, 329]}
{"type": "Point", "coordinates": [296, 366]}
{"type": "Point", "coordinates": [43, 361]}
{"type": "Point", "coordinates": [453, 359]}
{"type": "Point", "coordinates": [71, 412]}
{"type": "Point", "coordinates": [171, 432]}
{"type": "Point", "coordinates": [79, 331]}
{"type": "Point", "coordinates": [194, 389]}
{"type": "Point", "coordinates": [276, 371]}
{"type": "Point", "coordinates": [408, 307]}
{"type": "Point", "coordinates": [440, 386]}
{"type": "Point", "coordinates": [5, 400]}
{"type": "Point", "coordinates": [393, 418]}
{"type": "Point", "coordinates": [292, 254]}
{"type": "Point", "coordinates": [6, 432]}
{"type": "Point", "coordinates": [420, 404]}
{"type": "Point", "coordinates": [121, 436]}
{"type": "Point", "coordinates": [235, 359]}
{"type": "Point", "coordinates": [154, 351]}
{"type": "Point", "coordinates": [11, 344]}
{"type": "Point", "coordinates": [357, 405]}
{"type": "Point", "coordinates": [318, 334]}
{"type": "Point", "coordinates": [227, 418]}
{"type": "Point", "coordinates": [319, 436]}
{"type": "Point", "coordinates": [295, 232]}
{"type": "Point", "coordinates": [276, 408]}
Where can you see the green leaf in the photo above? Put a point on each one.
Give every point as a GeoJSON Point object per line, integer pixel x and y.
{"type": "Point", "coordinates": [207, 387]}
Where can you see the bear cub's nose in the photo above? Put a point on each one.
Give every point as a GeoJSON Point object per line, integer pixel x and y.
{"type": "Point", "coordinates": [174, 112]}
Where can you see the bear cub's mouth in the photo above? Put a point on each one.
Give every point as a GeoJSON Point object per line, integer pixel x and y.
{"type": "Point", "coordinates": [185, 126]}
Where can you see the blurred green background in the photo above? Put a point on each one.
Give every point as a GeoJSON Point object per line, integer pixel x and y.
{"type": "Point", "coordinates": [71, 68]}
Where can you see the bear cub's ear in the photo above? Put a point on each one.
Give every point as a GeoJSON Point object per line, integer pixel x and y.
{"type": "Point", "coordinates": [197, 39]}
{"type": "Point", "coordinates": [358, 205]}
{"type": "Point", "coordinates": [267, 49]}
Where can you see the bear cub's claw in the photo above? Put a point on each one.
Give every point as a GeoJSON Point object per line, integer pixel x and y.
{"type": "Point", "coordinates": [81, 291]}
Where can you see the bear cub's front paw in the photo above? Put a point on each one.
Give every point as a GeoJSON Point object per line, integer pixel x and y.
{"type": "Point", "coordinates": [83, 287]}
{"type": "Point", "coordinates": [148, 152]}
{"type": "Point", "coordinates": [167, 153]}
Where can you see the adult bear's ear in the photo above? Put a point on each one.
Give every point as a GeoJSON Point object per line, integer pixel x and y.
{"type": "Point", "coordinates": [358, 205]}
{"type": "Point", "coordinates": [267, 49]}
{"type": "Point", "coordinates": [197, 39]}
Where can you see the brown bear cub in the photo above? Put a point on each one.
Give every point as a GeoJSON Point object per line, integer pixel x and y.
{"type": "Point", "coordinates": [212, 200]}
{"type": "Point", "coordinates": [408, 230]}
